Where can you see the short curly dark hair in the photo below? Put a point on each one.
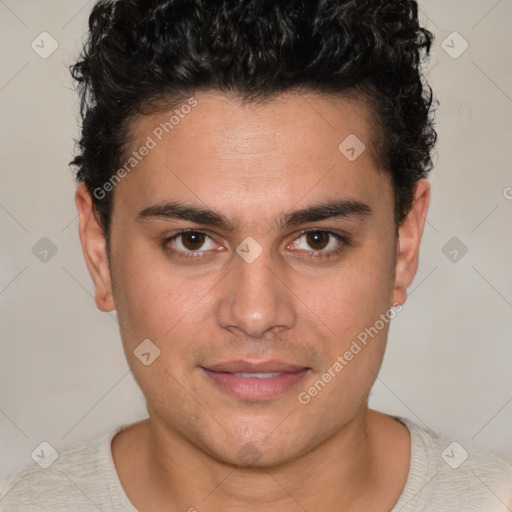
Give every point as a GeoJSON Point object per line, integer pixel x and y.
{"type": "Point", "coordinates": [143, 55]}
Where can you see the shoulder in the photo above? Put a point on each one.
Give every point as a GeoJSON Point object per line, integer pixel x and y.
{"type": "Point", "coordinates": [82, 477]}
{"type": "Point", "coordinates": [448, 474]}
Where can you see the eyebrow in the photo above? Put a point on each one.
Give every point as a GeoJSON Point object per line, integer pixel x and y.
{"type": "Point", "coordinates": [331, 209]}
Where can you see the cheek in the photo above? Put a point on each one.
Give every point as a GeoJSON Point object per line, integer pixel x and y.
{"type": "Point", "coordinates": [357, 342]}
{"type": "Point", "coordinates": [158, 302]}
{"type": "Point", "coordinates": [358, 296]}
{"type": "Point", "coordinates": [359, 293]}
{"type": "Point", "coordinates": [157, 306]}
{"type": "Point", "coordinates": [154, 304]}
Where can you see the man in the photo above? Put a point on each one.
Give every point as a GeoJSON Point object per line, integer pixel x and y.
{"type": "Point", "coordinates": [252, 198]}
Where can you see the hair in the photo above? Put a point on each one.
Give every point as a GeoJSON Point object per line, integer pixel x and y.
{"type": "Point", "coordinates": [141, 56]}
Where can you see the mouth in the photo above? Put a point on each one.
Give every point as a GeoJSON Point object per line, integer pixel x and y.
{"type": "Point", "coordinates": [255, 381]}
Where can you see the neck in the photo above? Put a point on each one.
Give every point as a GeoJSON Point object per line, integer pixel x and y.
{"type": "Point", "coordinates": [345, 470]}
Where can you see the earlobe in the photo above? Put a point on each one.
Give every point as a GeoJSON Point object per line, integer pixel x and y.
{"type": "Point", "coordinates": [94, 249]}
{"type": "Point", "coordinates": [408, 243]}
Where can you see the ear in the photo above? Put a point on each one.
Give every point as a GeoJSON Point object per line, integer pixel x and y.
{"type": "Point", "coordinates": [94, 248]}
{"type": "Point", "coordinates": [408, 243]}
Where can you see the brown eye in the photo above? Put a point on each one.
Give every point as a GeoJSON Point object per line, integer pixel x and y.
{"type": "Point", "coordinates": [193, 240]}
{"type": "Point", "coordinates": [191, 243]}
{"type": "Point", "coordinates": [320, 243]}
{"type": "Point", "coordinates": [317, 240]}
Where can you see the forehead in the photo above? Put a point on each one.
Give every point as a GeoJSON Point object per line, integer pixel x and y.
{"type": "Point", "coordinates": [273, 153]}
{"type": "Point", "coordinates": [218, 122]}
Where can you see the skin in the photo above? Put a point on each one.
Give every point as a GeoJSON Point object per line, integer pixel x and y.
{"type": "Point", "coordinates": [253, 164]}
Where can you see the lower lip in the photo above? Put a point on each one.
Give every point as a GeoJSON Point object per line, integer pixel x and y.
{"type": "Point", "coordinates": [252, 388]}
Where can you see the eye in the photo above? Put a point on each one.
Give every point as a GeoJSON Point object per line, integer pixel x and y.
{"type": "Point", "coordinates": [314, 243]}
{"type": "Point", "coordinates": [189, 241]}
{"type": "Point", "coordinates": [323, 243]}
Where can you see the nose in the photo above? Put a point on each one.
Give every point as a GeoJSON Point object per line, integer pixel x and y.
{"type": "Point", "coordinates": [255, 298]}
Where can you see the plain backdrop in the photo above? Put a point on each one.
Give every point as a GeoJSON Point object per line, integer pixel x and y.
{"type": "Point", "coordinates": [63, 374]}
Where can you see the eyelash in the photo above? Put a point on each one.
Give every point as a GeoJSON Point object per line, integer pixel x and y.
{"type": "Point", "coordinates": [309, 254]}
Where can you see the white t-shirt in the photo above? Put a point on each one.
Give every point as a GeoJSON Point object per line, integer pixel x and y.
{"type": "Point", "coordinates": [444, 476]}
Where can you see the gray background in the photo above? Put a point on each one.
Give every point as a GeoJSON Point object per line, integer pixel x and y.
{"type": "Point", "coordinates": [63, 375]}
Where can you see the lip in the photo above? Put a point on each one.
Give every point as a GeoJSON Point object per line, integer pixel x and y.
{"type": "Point", "coordinates": [224, 377]}
{"type": "Point", "coordinates": [250, 367]}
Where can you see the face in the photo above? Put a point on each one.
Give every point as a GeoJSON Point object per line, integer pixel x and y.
{"type": "Point", "coordinates": [254, 254]}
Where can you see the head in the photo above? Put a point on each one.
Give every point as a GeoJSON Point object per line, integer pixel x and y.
{"type": "Point", "coordinates": [292, 141]}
